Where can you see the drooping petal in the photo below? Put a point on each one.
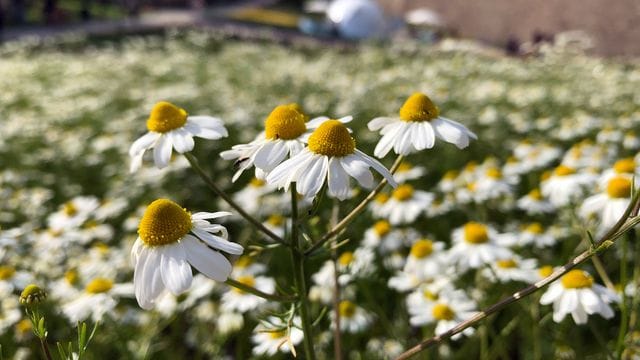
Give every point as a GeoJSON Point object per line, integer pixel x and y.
{"type": "Point", "coordinates": [175, 271]}
{"type": "Point", "coordinates": [162, 151]}
{"type": "Point", "coordinates": [147, 279]}
{"type": "Point", "coordinates": [358, 169]}
{"type": "Point", "coordinates": [452, 132]}
{"type": "Point", "coordinates": [377, 166]}
{"type": "Point", "coordinates": [310, 182]}
{"type": "Point", "coordinates": [217, 242]}
{"type": "Point", "coordinates": [209, 262]}
{"type": "Point", "coordinates": [182, 140]}
{"type": "Point", "coordinates": [143, 143]}
{"type": "Point", "coordinates": [271, 155]}
{"type": "Point", "coordinates": [210, 215]}
{"type": "Point", "coordinates": [379, 122]}
{"type": "Point", "coordinates": [338, 180]}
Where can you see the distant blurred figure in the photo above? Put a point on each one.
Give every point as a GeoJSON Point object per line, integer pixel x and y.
{"type": "Point", "coordinates": [357, 19]}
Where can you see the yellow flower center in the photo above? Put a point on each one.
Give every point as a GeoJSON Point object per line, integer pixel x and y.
{"type": "Point", "coordinates": [471, 166]}
{"type": "Point", "coordinates": [577, 279]}
{"type": "Point", "coordinates": [472, 186]}
{"type": "Point", "coordinates": [165, 117]}
{"type": "Point", "coordinates": [404, 167]}
{"type": "Point", "coordinates": [475, 233]}
{"type": "Point", "coordinates": [276, 220]}
{"type": "Point", "coordinates": [545, 271]}
{"type": "Point", "coordinates": [418, 107]}
{"type": "Point", "coordinates": [506, 264]}
{"type": "Point", "coordinates": [285, 122]}
{"type": "Point", "coordinates": [347, 309]}
{"type": "Point", "coordinates": [494, 173]}
{"type": "Point", "coordinates": [277, 334]}
{"type": "Point", "coordinates": [346, 258]}
{"type": "Point", "coordinates": [164, 222]}
{"type": "Point", "coordinates": [450, 175]}
{"type": "Point", "coordinates": [625, 166]}
{"type": "Point", "coordinates": [619, 188]}
{"type": "Point", "coordinates": [244, 261]}
{"type": "Point", "coordinates": [382, 227]}
{"type": "Point", "coordinates": [246, 280]}
{"type": "Point", "coordinates": [382, 198]}
{"type": "Point", "coordinates": [24, 326]}
{"type": "Point", "coordinates": [430, 295]}
{"type": "Point", "coordinates": [535, 194]}
{"type": "Point", "coordinates": [403, 192]}
{"type": "Point", "coordinates": [535, 228]}
{"type": "Point", "coordinates": [98, 286]}
{"type": "Point", "coordinates": [69, 209]}
{"type": "Point", "coordinates": [332, 138]}
{"type": "Point", "coordinates": [6, 272]}
{"type": "Point", "coordinates": [422, 248]}
{"type": "Point", "coordinates": [442, 312]}
{"type": "Point", "coordinates": [255, 182]}
{"type": "Point", "coordinates": [71, 277]}
{"type": "Point", "coordinates": [564, 171]}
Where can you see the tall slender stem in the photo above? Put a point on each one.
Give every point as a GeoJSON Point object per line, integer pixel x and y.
{"type": "Point", "coordinates": [299, 278]}
{"type": "Point", "coordinates": [256, 292]}
{"type": "Point", "coordinates": [624, 224]}
{"type": "Point", "coordinates": [337, 339]}
{"type": "Point", "coordinates": [624, 311]}
{"type": "Point", "coordinates": [212, 185]}
{"type": "Point", "coordinates": [355, 212]}
{"type": "Point", "coordinates": [45, 348]}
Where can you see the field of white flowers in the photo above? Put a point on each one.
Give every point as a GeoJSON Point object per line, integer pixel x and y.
{"type": "Point", "coordinates": [551, 171]}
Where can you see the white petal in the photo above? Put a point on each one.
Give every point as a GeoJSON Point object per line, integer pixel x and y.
{"type": "Point", "coordinates": [175, 271]}
{"type": "Point", "coordinates": [590, 301]}
{"type": "Point", "coordinates": [552, 293]}
{"type": "Point", "coordinates": [338, 180]}
{"type": "Point", "coordinates": [579, 315]}
{"type": "Point", "coordinates": [270, 155]}
{"type": "Point", "coordinates": [315, 122]}
{"type": "Point", "coordinates": [452, 132]}
{"type": "Point", "coordinates": [162, 151]}
{"type": "Point", "coordinates": [379, 122]}
{"type": "Point", "coordinates": [377, 166]}
{"type": "Point", "coordinates": [358, 169]}
{"type": "Point", "coordinates": [310, 182]}
{"type": "Point", "coordinates": [147, 279]}
{"type": "Point", "coordinates": [210, 215]}
{"type": "Point", "coordinates": [217, 242]}
{"type": "Point", "coordinates": [143, 143]}
{"type": "Point", "coordinates": [211, 133]}
{"type": "Point", "coordinates": [402, 143]}
{"type": "Point", "coordinates": [182, 140]}
{"type": "Point", "coordinates": [211, 263]}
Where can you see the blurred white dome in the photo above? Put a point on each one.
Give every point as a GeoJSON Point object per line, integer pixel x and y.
{"type": "Point", "coordinates": [357, 19]}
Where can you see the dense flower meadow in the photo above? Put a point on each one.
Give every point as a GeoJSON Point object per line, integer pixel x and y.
{"type": "Point", "coordinates": [199, 197]}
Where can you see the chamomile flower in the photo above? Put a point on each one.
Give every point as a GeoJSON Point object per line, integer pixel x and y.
{"type": "Point", "coordinates": [476, 244]}
{"type": "Point", "coordinates": [406, 204]}
{"type": "Point", "coordinates": [383, 237]}
{"type": "Point", "coordinates": [492, 185]}
{"type": "Point", "coordinates": [447, 309]}
{"type": "Point", "coordinates": [170, 127]}
{"type": "Point", "coordinates": [241, 301]}
{"type": "Point", "coordinates": [534, 203]}
{"type": "Point", "coordinates": [274, 335]}
{"type": "Point", "coordinates": [534, 233]}
{"type": "Point", "coordinates": [425, 259]}
{"type": "Point", "coordinates": [416, 128]}
{"type": "Point", "coordinates": [99, 298]}
{"type": "Point", "coordinates": [609, 205]}
{"type": "Point", "coordinates": [626, 167]}
{"type": "Point", "coordinates": [512, 269]}
{"type": "Point", "coordinates": [170, 240]}
{"type": "Point", "coordinates": [73, 213]}
{"type": "Point", "coordinates": [331, 156]}
{"type": "Point", "coordinates": [281, 138]}
{"type": "Point", "coordinates": [407, 171]}
{"type": "Point", "coordinates": [353, 318]}
{"type": "Point", "coordinates": [578, 295]}
{"type": "Point", "coordinates": [565, 185]}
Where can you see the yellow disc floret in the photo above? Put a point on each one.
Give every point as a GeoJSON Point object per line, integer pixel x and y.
{"type": "Point", "coordinates": [422, 248]}
{"type": "Point", "coordinates": [494, 173]}
{"type": "Point", "coordinates": [418, 107]}
{"type": "Point", "coordinates": [382, 198]}
{"type": "Point", "coordinates": [165, 117]}
{"type": "Point", "coordinates": [347, 309]}
{"type": "Point", "coordinates": [277, 334]}
{"type": "Point", "coordinates": [285, 122]}
{"type": "Point", "coordinates": [563, 170]}
{"type": "Point", "coordinates": [507, 264]}
{"type": "Point", "coordinates": [98, 286]}
{"type": "Point", "coordinates": [577, 279]}
{"type": "Point", "coordinates": [275, 220]}
{"type": "Point", "coordinates": [6, 272]}
{"type": "Point", "coordinates": [403, 192]}
{"type": "Point", "coordinates": [475, 233]}
{"type": "Point", "coordinates": [442, 312]}
{"type": "Point", "coordinates": [535, 194]}
{"type": "Point", "coordinates": [404, 167]}
{"type": "Point", "coordinates": [625, 166]}
{"type": "Point", "coordinates": [245, 280]}
{"type": "Point", "coordinates": [619, 187]}
{"type": "Point", "coordinates": [332, 138]}
{"type": "Point", "coordinates": [534, 228]}
{"type": "Point", "coordinates": [69, 209]}
{"type": "Point", "coordinates": [71, 276]}
{"type": "Point", "coordinates": [346, 258]}
{"type": "Point", "coordinates": [382, 227]}
{"type": "Point", "coordinates": [32, 295]}
{"type": "Point", "coordinates": [545, 271]}
{"type": "Point", "coordinates": [164, 222]}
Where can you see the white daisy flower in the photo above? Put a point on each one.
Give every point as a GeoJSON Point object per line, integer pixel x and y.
{"type": "Point", "coordinates": [492, 185]}
{"type": "Point", "coordinates": [609, 205]}
{"type": "Point", "coordinates": [406, 204]}
{"type": "Point", "coordinates": [407, 171]}
{"type": "Point", "coordinates": [578, 295]}
{"type": "Point", "coordinates": [383, 238]}
{"type": "Point", "coordinates": [275, 336]}
{"type": "Point", "coordinates": [449, 181]}
{"type": "Point", "coordinates": [565, 185]}
{"type": "Point", "coordinates": [416, 128]}
{"type": "Point", "coordinates": [534, 233]}
{"type": "Point", "coordinates": [251, 197]}
{"type": "Point", "coordinates": [534, 203]}
{"type": "Point", "coordinates": [353, 318]}
{"type": "Point", "coordinates": [356, 264]}
{"type": "Point", "coordinates": [170, 240]}
{"type": "Point", "coordinates": [626, 167]}
{"type": "Point", "coordinates": [332, 157]}
{"type": "Point", "coordinates": [170, 127]}
{"type": "Point", "coordinates": [447, 309]}
{"type": "Point", "coordinates": [476, 244]}
{"type": "Point", "coordinates": [73, 213]}
{"type": "Point", "coordinates": [425, 260]}
{"type": "Point", "coordinates": [512, 269]}
{"type": "Point", "coordinates": [99, 298]}
{"type": "Point", "coordinates": [241, 301]}
{"type": "Point", "coordinates": [282, 138]}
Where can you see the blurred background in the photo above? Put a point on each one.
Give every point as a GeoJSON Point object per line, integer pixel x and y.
{"type": "Point", "coordinates": [519, 27]}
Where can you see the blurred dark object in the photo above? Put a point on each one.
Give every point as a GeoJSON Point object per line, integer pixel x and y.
{"type": "Point", "coordinates": [512, 46]}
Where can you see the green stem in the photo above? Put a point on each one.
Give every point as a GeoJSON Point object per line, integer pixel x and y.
{"type": "Point", "coordinates": [256, 292]}
{"type": "Point", "coordinates": [624, 314]}
{"type": "Point", "coordinates": [212, 185]}
{"type": "Point", "coordinates": [45, 348]}
{"type": "Point", "coordinates": [355, 212]}
{"type": "Point", "coordinates": [299, 278]}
